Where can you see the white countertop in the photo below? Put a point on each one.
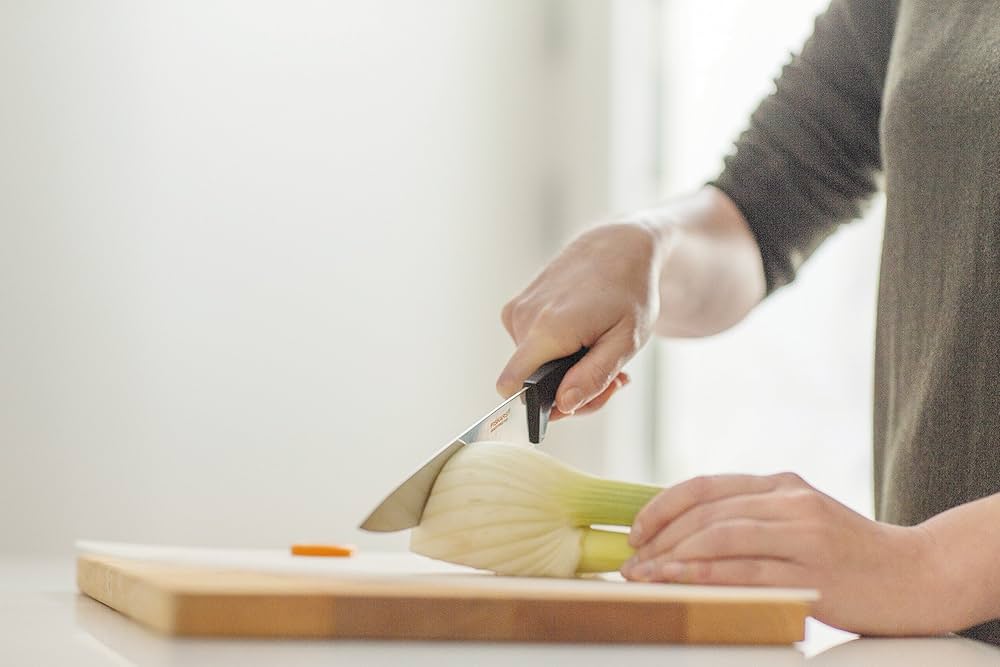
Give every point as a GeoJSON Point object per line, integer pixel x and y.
{"type": "Point", "coordinates": [44, 621]}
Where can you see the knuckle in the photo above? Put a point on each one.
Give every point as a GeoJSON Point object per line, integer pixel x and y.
{"type": "Point", "coordinates": [507, 313]}
{"type": "Point", "coordinates": [519, 311]}
{"type": "Point", "coordinates": [700, 487]}
{"type": "Point", "coordinates": [647, 516]}
{"type": "Point", "coordinates": [704, 516]}
{"type": "Point", "coordinates": [789, 479]}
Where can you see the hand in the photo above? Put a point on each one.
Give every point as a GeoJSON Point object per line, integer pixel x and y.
{"type": "Point", "coordinates": [600, 292]}
{"type": "Point", "coordinates": [874, 578]}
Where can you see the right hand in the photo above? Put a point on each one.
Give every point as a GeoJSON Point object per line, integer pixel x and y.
{"type": "Point", "coordinates": [601, 291]}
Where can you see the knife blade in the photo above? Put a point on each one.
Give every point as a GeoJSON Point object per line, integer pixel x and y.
{"type": "Point", "coordinates": [522, 418]}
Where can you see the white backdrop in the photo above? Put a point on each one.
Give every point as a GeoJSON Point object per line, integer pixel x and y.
{"type": "Point", "coordinates": [790, 388]}
{"type": "Point", "coordinates": [252, 254]}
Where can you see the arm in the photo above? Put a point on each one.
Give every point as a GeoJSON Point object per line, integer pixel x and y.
{"type": "Point", "coordinates": [811, 154]}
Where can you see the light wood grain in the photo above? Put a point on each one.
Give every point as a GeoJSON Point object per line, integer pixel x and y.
{"type": "Point", "coordinates": [193, 600]}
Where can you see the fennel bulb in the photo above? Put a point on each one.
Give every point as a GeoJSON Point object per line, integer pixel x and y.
{"type": "Point", "coordinates": [515, 510]}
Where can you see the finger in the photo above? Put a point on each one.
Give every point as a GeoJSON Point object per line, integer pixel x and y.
{"type": "Point", "coordinates": [724, 572]}
{"type": "Point", "coordinates": [758, 506]}
{"type": "Point", "coordinates": [674, 501]}
{"type": "Point", "coordinates": [593, 374]}
{"type": "Point", "coordinates": [531, 353]}
{"type": "Point", "coordinates": [743, 538]}
{"type": "Point", "coordinates": [620, 381]}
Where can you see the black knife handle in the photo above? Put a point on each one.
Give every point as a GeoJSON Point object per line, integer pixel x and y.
{"type": "Point", "coordinates": [541, 392]}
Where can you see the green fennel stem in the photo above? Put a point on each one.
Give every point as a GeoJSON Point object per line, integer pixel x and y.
{"type": "Point", "coordinates": [603, 551]}
{"type": "Point", "coordinates": [607, 502]}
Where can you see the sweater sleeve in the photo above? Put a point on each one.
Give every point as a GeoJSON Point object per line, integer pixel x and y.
{"type": "Point", "coordinates": [810, 156]}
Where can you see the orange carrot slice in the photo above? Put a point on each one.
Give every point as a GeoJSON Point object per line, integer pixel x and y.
{"type": "Point", "coordinates": [334, 550]}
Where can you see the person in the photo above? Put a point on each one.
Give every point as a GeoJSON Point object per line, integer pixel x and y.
{"type": "Point", "coordinates": [899, 95]}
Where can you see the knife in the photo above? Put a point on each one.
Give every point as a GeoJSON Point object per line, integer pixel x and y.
{"type": "Point", "coordinates": [521, 418]}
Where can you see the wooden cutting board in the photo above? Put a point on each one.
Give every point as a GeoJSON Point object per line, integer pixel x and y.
{"type": "Point", "coordinates": [361, 600]}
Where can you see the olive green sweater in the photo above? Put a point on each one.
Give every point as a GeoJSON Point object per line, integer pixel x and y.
{"type": "Point", "coordinates": [908, 92]}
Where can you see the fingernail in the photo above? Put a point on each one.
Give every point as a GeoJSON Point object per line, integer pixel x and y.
{"type": "Point", "coordinates": [571, 400]}
{"type": "Point", "coordinates": [643, 571]}
{"type": "Point", "coordinates": [635, 534]}
{"type": "Point", "coordinates": [672, 570]}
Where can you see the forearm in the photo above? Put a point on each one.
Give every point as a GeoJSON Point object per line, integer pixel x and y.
{"type": "Point", "coordinates": [965, 562]}
{"type": "Point", "coordinates": [710, 269]}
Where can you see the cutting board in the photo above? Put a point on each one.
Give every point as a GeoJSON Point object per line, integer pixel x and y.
{"type": "Point", "coordinates": [379, 596]}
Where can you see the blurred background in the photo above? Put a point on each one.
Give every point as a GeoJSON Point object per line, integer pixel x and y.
{"type": "Point", "coordinates": [253, 254]}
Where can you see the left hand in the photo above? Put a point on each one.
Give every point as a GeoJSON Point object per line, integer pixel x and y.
{"type": "Point", "coordinates": [777, 530]}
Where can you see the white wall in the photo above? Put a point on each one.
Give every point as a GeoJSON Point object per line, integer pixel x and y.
{"type": "Point", "coordinates": [252, 254]}
{"type": "Point", "coordinates": [790, 387]}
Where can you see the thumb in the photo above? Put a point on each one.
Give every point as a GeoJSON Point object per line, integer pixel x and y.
{"type": "Point", "coordinates": [593, 374]}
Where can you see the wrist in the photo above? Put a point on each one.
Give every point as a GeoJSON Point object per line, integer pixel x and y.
{"type": "Point", "coordinates": [682, 299]}
{"type": "Point", "coordinates": [709, 273]}
{"type": "Point", "coordinates": [930, 585]}
{"type": "Point", "coordinates": [953, 582]}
